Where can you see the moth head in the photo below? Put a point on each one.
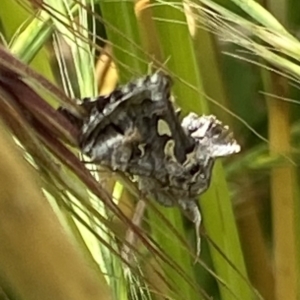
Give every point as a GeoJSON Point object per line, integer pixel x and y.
{"type": "Point", "coordinates": [212, 138]}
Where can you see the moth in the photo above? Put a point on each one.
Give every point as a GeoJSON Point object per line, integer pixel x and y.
{"type": "Point", "coordinates": [137, 130]}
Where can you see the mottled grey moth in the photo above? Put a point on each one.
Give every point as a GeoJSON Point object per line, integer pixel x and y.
{"type": "Point", "coordinates": [137, 130]}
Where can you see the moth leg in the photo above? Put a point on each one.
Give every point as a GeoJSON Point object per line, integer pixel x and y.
{"type": "Point", "coordinates": [191, 210]}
